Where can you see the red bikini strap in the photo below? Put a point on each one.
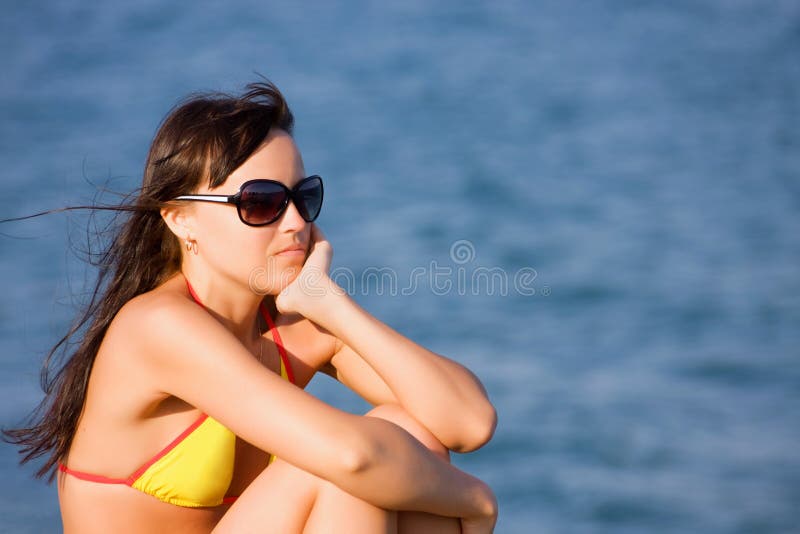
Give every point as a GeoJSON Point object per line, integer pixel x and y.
{"type": "Point", "coordinates": [278, 342]}
{"type": "Point", "coordinates": [270, 323]}
{"type": "Point", "coordinates": [192, 293]}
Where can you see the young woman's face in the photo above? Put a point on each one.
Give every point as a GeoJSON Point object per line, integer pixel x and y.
{"type": "Point", "coordinates": [248, 254]}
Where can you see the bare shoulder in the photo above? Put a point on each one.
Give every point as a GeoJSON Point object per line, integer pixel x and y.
{"type": "Point", "coordinates": [123, 386]}
{"type": "Point", "coordinates": [156, 323]}
{"type": "Point", "coordinates": [141, 320]}
{"type": "Point", "coordinates": [164, 298]}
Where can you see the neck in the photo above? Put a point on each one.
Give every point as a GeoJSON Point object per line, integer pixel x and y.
{"type": "Point", "coordinates": [236, 307]}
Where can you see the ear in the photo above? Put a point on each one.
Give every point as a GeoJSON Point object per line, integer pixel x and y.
{"type": "Point", "coordinates": [179, 221]}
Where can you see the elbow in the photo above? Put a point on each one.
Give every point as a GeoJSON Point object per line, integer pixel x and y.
{"type": "Point", "coordinates": [355, 459]}
{"type": "Point", "coordinates": [484, 430]}
{"type": "Point", "coordinates": [360, 451]}
{"type": "Point", "coordinates": [479, 432]}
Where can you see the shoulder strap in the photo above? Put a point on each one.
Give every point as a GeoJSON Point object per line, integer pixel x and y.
{"type": "Point", "coordinates": [286, 366]}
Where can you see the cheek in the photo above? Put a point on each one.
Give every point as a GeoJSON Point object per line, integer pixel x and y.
{"type": "Point", "coordinates": [233, 247]}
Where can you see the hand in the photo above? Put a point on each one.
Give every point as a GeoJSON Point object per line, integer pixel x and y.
{"type": "Point", "coordinates": [312, 287]}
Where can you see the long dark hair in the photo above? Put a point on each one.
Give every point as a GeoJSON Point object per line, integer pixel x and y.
{"type": "Point", "coordinates": [206, 137]}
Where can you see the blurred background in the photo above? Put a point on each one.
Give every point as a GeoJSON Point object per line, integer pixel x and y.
{"type": "Point", "coordinates": [631, 170]}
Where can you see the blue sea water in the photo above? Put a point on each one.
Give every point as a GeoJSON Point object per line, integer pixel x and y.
{"type": "Point", "coordinates": [608, 195]}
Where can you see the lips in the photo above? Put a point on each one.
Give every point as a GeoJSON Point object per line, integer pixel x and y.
{"type": "Point", "coordinates": [292, 248]}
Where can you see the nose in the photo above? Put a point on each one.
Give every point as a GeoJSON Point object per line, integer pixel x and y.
{"type": "Point", "coordinates": [291, 221]}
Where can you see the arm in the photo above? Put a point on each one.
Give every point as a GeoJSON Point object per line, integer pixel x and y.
{"type": "Point", "coordinates": [383, 366]}
{"type": "Point", "coordinates": [187, 353]}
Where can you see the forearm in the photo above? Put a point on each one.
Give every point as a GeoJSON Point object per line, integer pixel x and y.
{"type": "Point", "coordinates": [443, 395]}
{"type": "Point", "coordinates": [396, 472]}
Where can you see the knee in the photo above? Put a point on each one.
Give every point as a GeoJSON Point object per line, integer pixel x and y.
{"type": "Point", "coordinates": [394, 413]}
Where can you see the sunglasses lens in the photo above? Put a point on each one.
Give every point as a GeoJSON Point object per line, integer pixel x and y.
{"type": "Point", "coordinates": [262, 202]}
{"type": "Point", "coordinates": [308, 198]}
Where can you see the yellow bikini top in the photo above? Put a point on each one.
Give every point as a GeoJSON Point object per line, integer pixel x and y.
{"type": "Point", "coordinates": [196, 468]}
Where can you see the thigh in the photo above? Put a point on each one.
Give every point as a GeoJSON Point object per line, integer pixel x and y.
{"type": "Point", "coordinates": [418, 522]}
{"type": "Point", "coordinates": [396, 414]}
{"type": "Point", "coordinates": [280, 499]}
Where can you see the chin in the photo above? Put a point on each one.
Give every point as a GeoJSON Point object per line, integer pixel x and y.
{"type": "Point", "coordinates": [289, 275]}
{"type": "Point", "coordinates": [271, 281]}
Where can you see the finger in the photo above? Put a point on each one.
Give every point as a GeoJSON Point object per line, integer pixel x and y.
{"type": "Point", "coordinates": [314, 234]}
{"type": "Point", "coordinates": [317, 235]}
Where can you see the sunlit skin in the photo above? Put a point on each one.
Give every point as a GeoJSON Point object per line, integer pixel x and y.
{"type": "Point", "coordinates": [233, 251]}
{"type": "Point", "coordinates": [165, 359]}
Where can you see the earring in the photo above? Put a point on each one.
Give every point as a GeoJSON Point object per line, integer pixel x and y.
{"type": "Point", "coordinates": [191, 246]}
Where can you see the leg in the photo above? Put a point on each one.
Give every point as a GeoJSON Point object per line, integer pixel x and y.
{"type": "Point", "coordinates": [336, 511]}
{"type": "Point", "coordinates": [286, 499]}
{"type": "Point", "coordinates": [418, 522]}
{"type": "Point", "coordinates": [278, 500]}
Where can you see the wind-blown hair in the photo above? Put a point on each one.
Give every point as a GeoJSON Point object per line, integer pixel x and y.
{"type": "Point", "coordinates": [206, 137]}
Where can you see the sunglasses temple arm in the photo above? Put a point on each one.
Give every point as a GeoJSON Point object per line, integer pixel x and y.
{"type": "Point", "coordinates": [225, 199]}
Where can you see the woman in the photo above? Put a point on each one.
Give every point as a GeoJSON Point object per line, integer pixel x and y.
{"type": "Point", "coordinates": [183, 409]}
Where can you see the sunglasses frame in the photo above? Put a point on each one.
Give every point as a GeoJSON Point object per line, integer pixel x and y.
{"type": "Point", "coordinates": [236, 199]}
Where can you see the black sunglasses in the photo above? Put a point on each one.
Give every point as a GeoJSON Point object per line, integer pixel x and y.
{"type": "Point", "coordinates": [261, 202]}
